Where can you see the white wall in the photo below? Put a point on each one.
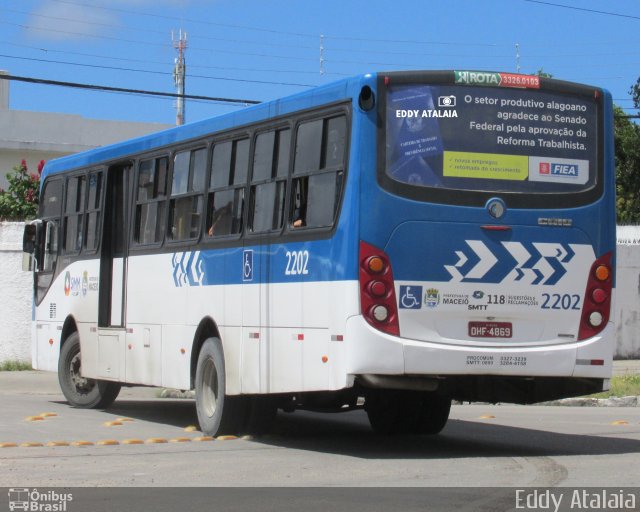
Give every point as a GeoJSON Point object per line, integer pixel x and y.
{"type": "Point", "coordinates": [15, 296]}
{"type": "Point", "coordinates": [628, 293]}
{"type": "Point", "coordinates": [16, 286]}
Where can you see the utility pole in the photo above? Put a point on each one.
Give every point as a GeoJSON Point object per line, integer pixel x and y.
{"type": "Point", "coordinates": [179, 73]}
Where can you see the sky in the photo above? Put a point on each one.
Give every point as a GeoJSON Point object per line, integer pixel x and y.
{"type": "Point", "coordinates": [264, 49]}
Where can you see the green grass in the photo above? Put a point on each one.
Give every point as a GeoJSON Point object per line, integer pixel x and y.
{"type": "Point", "coordinates": [15, 366]}
{"type": "Point", "coordinates": [625, 385]}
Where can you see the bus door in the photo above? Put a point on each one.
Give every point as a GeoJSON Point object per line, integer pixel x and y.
{"type": "Point", "coordinates": [113, 272]}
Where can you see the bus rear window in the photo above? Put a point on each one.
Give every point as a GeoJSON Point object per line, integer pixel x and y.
{"type": "Point", "coordinates": [490, 139]}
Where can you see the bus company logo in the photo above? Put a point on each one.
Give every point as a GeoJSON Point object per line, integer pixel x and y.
{"type": "Point", "coordinates": [478, 294]}
{"type": "Point", "coordinates": [72, 284]}
{"type": "Point", "coordinates": [431, 298]}
{"type": "Point", "coordinates": [33, 500]}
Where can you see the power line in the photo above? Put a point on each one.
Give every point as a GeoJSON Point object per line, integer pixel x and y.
{"type": "Point", "coordinates": [117, 68]}
{"type": "Point", "coordinates": [161, 45]}
{"type": "Point", "coordinates": [584, 9]}
{"type": "Point", "coordinates": [93, 87]}
{"type": "Point", "coordinates": [146, 61]}
{"type": "Point", "coordinates": [157, 32]}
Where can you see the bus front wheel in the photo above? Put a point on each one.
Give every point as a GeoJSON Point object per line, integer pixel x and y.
{"type": "Point", "coordinates": [78, 390]}
{"type": "Point", "coordinates": [218, 413]}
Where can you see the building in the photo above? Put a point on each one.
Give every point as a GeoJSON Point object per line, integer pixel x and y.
{"type": "Point", "coordinates": [35, 136]}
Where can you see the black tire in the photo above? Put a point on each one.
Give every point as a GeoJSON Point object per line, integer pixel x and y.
{"type": "Point", "coordinates": [218, 413]}
{"type": "Point", "coordinates": [80, 391]}
{"type": "Point", "coordinates": [384, 410]}
{"type": "Point", "coordinates": [434, 413]}
{"type": "Point", "coordinates": [261, 413]}
{"type": "Point", "coordinates": [407, 412]}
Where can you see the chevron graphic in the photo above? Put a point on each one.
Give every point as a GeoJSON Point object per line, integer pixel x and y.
{"type": "Point", "coordinates": [486, 261]}
{"type": "Point", "coordinates": [535, 263]}
{"type": "Point", "coordinates": [187, 269]}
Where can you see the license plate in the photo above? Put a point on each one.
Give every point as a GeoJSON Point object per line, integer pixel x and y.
{"type": "Point", "coordinates": [490, 329]}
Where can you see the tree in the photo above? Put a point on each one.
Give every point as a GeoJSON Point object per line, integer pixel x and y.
{"type": "Point", "coordinates": [20, 200]}
{"type": "Point", "coordinates": [627, 156]}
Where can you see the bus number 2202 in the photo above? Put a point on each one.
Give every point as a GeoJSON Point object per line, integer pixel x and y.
{"type": "Point", "coordinates": [297, 263]}
{"type": "Point", "coordinates": [557, 301]}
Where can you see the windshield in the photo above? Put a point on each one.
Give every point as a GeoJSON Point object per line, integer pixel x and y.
{"type": "Point", "coordinates": [492, 139]}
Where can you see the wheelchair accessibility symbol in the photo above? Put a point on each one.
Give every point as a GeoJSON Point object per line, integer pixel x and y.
{"type": "Point", "coordinates": [247, 265]}
{"type": "Point", "coordinates": [410, 297]}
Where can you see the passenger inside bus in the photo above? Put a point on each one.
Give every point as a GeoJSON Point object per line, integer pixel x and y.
{"type": "Point", "coordinates": [300, 203]}
{"type": "Point", "coordinates": [222, 221]}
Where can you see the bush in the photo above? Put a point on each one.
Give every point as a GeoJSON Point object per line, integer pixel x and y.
{"type": "Point", "coordinates": [20, 201]}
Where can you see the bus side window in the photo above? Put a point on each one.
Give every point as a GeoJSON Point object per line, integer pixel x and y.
{"type": "Point", "coordinates": [318, 172]}
{"type": "Point", "coordinates": [185, 208]}
{"type": "Point", "coordinates": [150, 200]}
{"type": "Point", "coordinates": [270, 169]}
{"type": "Point", "coordinates": [50, 210]}
{"type": "Point", "coordinates": [74, 214]}
{"type": "Point", "coordinates": [229, 170]}
{"type": "Point", "coordinates": [93, 211]}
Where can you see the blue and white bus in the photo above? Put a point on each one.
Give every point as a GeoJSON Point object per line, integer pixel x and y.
{"type": "Point", "coordinates": [396, 240]}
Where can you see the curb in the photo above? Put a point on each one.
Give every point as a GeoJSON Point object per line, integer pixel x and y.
{"type": "Point", "coordinates": [176, 393]}
{"type": "Point", "coordinates": [625, 401]}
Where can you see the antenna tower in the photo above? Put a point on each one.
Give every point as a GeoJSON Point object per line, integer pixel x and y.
{"type": "Point", "coordinates": [179, 73]}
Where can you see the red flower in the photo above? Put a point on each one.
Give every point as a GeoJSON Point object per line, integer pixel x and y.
{"type": "Point", "coordinates": [40, 166]}
{"type": "Point", "coordinates": [34, 177]}
{"type": "Point", "coordinates": [29, 196]}
{"type": "Point", "coordinates": [24, 164]}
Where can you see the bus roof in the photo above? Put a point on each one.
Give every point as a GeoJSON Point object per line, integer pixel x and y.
{"type": "Point", "coordinates": [317, 96]}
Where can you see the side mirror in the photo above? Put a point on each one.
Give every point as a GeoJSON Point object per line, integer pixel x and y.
{"type": "Point", "coordinates": [28, 262]}
{"type": "Point", "coordinates": [29, 239]}
{"type": "Point", "coordinates": [30, 246]}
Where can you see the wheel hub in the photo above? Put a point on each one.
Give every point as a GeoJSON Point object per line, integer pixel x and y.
{"type": "Point", "coordinates": [81, 383]}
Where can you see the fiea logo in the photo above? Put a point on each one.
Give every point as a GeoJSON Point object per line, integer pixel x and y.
{"type": "Point", "coordinates": [564, 170]}
{"type": "Point", "coordinates": [557, 169]}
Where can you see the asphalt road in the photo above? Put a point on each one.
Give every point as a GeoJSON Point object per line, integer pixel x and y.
{"type": "Point", "coordinates": [481, 446]}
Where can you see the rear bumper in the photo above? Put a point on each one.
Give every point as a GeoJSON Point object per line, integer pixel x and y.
{"type": "Point", "coordinates": [373, 352]}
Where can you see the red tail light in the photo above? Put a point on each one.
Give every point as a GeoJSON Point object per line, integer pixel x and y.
{"type": "Point", "coordinates": [377, 292]}
{"type": "Point", "coordinates": [597, 298]}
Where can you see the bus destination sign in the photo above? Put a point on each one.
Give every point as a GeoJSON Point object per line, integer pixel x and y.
{"type": "Point", "coordinates": [497, 79]}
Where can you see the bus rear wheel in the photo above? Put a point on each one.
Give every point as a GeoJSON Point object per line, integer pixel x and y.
{"type": "Point", "coordinates": [218, 413]}
{"type": "Point", "coordinates": [407, 412]}
{"type": "Point", "coordinates": [78, 390]}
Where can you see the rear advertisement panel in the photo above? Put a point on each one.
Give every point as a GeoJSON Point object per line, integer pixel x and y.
{"type": "Point", "coordinates": [473, 137]}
